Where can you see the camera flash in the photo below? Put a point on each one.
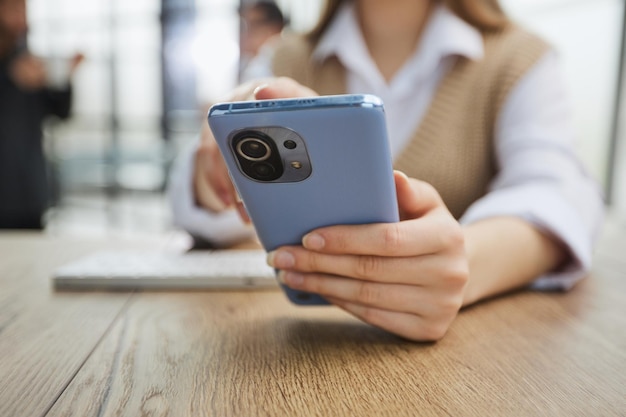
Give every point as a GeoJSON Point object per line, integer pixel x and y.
{"type": "Point", "coordinates": [296, 164]}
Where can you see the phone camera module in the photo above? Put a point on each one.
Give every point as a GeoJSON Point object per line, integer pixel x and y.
{"type": "Point", "coordinates": [258, 155]}
{"type": "Point", "coordinates": [254, 149]}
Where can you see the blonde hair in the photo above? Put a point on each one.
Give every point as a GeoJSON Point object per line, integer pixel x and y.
{"type": "Point", "coordinates": [484, 15]}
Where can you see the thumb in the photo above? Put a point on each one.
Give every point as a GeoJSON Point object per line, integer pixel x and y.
{"type": "Point", "coordinates": [415, 198]}
{"type": "Point", "coordinates": [282, 87]}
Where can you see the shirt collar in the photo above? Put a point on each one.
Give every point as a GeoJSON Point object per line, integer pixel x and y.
{"type": "Point", "coordinates": [446, 34]}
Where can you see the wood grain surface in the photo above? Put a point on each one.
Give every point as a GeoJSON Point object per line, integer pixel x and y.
{"type": "Point", "coordinates": [253, 354]}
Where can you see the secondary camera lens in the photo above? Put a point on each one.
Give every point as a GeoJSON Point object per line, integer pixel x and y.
{"type": "Point", "coordinates": [264, 170]}
{"type": "Point", "coordinates": [253, 149]}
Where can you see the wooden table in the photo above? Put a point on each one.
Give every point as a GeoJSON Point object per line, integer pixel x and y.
{"type": "Point", "coordinates": [254, 354]}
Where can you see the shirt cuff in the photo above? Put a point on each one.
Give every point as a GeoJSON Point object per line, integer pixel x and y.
{"type": "Point", "coordinates": [548, 211]}
{"type": "Point", "coordinates": [221, 229]}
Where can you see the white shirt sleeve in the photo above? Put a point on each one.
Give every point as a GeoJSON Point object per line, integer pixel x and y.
{"type": "Point", "coordinates": [221, 229]}
{"type": "Point", "coordinates": [541, 179]}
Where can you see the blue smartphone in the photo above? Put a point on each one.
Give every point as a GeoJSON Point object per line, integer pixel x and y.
{"type": "Point", "coordinates": [300, 164]}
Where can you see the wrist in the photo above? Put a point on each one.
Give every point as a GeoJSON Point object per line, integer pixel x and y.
{"type": "Point", "coordinates": [471, 293]}
{"type": "Point", "coordinates": [504, 254]}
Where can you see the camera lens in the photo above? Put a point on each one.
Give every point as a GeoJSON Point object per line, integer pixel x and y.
{"type": "Point", "coordinates": [289, 144]}
{"type": "Point", "coordinates": [257, 153]}
{"type": "Point", "coordinates": [253, 149]}
{"type": "Point", "coordinates": [264, 170]}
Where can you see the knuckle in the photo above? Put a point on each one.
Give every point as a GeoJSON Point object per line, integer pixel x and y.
{"type": "Point", "coordinates": [457, 274]}
{"type": "Point", "coordinates": [456, 236]}
{"type": "Point", "coordinates": [367, 266]}
{"type": "Point", "coordinates": [450, 306]}
{"type": "Point", "coordinates": [313, 284]}
{"type": "Point", "coordinates": [367, 293]}
{"type": "Point", "coordinates": [313, 262]}
{"type": "Point", "coordinates": [451, 235]}
{"type": "Point", "coordinates": [392, 237]}
{"type": "Point", "coordinates": [371, 316]}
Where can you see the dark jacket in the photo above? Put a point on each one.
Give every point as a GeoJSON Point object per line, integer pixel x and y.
{"type": "Point", "coordinates": [24, 187]}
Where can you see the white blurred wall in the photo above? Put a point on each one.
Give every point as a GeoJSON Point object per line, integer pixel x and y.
{"type": "Point", "coordinates": [587, 35]}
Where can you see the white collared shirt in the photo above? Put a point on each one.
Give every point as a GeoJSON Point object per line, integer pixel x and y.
{"type": "Point", "coordinates": [408, 95]}
{"type": "Point", "coordinates": [540, 180]}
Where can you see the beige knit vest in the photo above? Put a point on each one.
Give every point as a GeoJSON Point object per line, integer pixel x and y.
{"type": "Point", "coordinates": [453, 147]}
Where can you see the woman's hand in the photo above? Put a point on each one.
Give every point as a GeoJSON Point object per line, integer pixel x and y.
{"type": "Point", "coordinates": [407, 278]}
{"type": "Point", "coordinates": [212, 186]}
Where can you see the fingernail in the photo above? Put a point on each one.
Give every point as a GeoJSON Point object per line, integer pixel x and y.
{"type": "Point", "coordinates": [281, 259]}
{"type": "Point", "coordinates": [259, 88]}
{"type": "Point", "coordinates": [293, 279]}
{"type": "Point", "coordinates": [402, 174]}
{"type": "Point", "coordinates": [313, 241]}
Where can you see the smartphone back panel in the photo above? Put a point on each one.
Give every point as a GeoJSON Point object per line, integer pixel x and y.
{"type": "Point", "coordinates": [350, 179]}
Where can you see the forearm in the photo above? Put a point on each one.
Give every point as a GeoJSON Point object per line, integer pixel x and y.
{"type": "Point", "coordinates": [506, 253]}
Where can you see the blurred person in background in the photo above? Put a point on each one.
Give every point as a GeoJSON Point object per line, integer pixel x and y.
{"type": "Point", "coordinates": [262, 23]}
{"type": "Point", "coordinates": [26, 99]}
{"type": "Point", "coordinates": [493, 197]}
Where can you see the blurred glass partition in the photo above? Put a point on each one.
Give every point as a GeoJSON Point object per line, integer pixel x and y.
{"type": "Point", "coordinates": [117, 97]}
{"type": "Point", "coordinates": [178, 73]}
{"type": "Point", "coordinates": [113, 146]}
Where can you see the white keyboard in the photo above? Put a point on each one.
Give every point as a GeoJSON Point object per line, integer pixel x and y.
{"type": "Point", "coordinates": [227, 269]}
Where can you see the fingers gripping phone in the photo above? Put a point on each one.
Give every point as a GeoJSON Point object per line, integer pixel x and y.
{"type": "Point", "coordinates": [300, 164]}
